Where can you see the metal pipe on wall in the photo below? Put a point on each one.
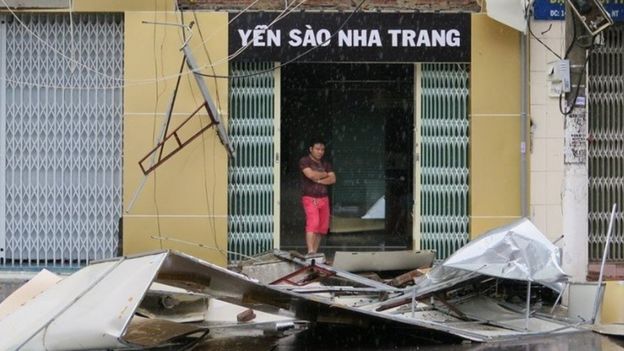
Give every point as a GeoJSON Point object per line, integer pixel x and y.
{"type": "Point", "coordinates": [524, 79]}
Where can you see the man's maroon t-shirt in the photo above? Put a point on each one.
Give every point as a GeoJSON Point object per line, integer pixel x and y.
{"type": "Point", "coordinates": [309, 187]}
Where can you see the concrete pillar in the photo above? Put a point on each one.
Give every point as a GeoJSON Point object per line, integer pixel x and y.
{"type": "Point", "coordinates": [575, 194]}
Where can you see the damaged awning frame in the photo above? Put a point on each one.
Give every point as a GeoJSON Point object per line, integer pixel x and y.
{"type": "Point", "coordinates": [94, 307]}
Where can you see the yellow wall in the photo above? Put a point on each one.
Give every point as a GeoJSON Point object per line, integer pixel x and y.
{"type": "Point", "coordinates": [186, 197]}
{"type": "Point", "coordinates": [612, 310]}
{"type": "Point", "coordinates": [494, 125]}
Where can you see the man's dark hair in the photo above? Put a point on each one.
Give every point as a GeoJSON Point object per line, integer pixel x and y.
{"type": "Point", "coordinates": [316, 141]}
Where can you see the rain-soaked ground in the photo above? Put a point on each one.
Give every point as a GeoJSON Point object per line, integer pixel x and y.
{"type": "Point", "coordinates": [343, 339]}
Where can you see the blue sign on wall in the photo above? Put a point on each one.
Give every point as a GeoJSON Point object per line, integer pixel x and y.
{"type": "Point", "coordinates": [555, 9]}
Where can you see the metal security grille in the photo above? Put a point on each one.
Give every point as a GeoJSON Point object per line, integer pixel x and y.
{"type": "Point", "coordinates": [251, 174]}
{"type": "Point", "coordinates": [444, 160]}
{"type": "Point", "coordinates": [606, 146]}
{"type": "Point", "coordinates": [62, 138]}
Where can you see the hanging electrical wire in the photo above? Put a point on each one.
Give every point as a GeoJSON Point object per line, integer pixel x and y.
{"type": "Point", "coordinates": [357, 9]}
{"type": "Point", "coordinates": [589, 47]}
{"type": "Point", "coordinates": [207, 39]}
{"type": "Point", "coordinates": [127, 82]}
{"type": "Point", "coordinates": [209, 206]}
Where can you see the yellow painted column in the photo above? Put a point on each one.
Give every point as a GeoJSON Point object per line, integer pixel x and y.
{"type": "Point", "coordinates": [612, 309]}
{"type": "Point", "coordinates": [185, 199]}
{"type": "Point", "coordinates": [494, 125]}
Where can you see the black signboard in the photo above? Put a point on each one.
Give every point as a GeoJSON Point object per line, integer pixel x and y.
{"type": "Point", "coordinates": [359, 37]}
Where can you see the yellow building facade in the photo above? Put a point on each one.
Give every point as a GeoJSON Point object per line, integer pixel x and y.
{"type": "Point", "coordinates": [183, 204]}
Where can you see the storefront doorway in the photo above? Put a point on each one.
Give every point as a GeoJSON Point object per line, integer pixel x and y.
{"type": "Point", "coordinates": [365, 114]}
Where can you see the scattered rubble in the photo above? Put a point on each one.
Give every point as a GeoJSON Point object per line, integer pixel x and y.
{"type": "Point", "coordinates": [169, 298]}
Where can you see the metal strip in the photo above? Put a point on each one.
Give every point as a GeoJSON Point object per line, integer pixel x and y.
{"type": "Point", "coordinates": [277, 120]}
{"type": "Point", "coordinates": [210, 106]}
{"type": "Point", "coordinates": [416, 209]}
{"type": "Point", "coordinates": [2, 138]}
{"type": "Point", "coordinates": [340, 273]}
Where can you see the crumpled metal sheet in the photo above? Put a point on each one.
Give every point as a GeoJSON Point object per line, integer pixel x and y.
{"type": "Point", "coordinates": [95, 307]}
{"type": "Point", "coordinates": [35, 286]}
{"type": "Point", "coordinates": [517, 251]}
{"type": "Point", "coordinates": [88, 310]}
{"type": "Point", "coordinates": [382, 260]}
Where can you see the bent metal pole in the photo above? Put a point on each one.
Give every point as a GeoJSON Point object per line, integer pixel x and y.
{"type": "Point", "coordinates": [599, 289]}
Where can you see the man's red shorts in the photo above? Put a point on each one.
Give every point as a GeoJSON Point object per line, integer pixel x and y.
{"type": "Point", "coordinates": [317, 214]}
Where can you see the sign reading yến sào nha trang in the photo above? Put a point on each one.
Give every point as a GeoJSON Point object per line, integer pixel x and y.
{"type": "Point", "coordinates": [345, 37]}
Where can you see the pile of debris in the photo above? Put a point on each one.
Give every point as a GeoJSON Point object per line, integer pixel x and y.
{"type": "Point", "coordinates": [170, 298]}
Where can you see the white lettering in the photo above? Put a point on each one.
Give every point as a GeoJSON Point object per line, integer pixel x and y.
{"type": "Point", "coordinates": [394, 34]}
{"type": "Point", "coordinates": [374, 39]}
{"type": "Point", "coordinates": [244, 35]}
{"type": "Point", "coordinates": [453, 38]}
{"type": "Point", "coordinates": [295, 38]}
{"type": "Point", "coordinates": [359, 37]}
{"type": "Point", "coordinates": [423, 38]}
{"type": "Point", "coordinates": [274, 38]}
{"type": "Point", "coordinates": [323, 37]}
{"type": "Point", "coordinates": [408, 38]}
{"type": "Point", "coordinates": [258, 35]}
{"type": "Point", "coordinates": [438, 38]}
{"type": "Point", "coordinates": [344, 39]}
{"type": "Point", "coordinates": [308, 38]}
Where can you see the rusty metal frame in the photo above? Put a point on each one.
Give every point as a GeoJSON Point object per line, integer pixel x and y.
{"type": "Point", "coordinates": [180, 144]}
{"type": "Point", "coordinates": [308, 275]}
{"type": "Point", "coordinates": [208, 104]}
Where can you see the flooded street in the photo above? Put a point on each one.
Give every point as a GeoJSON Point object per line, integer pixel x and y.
{"type": "Point", "coordinates": [344, 340]}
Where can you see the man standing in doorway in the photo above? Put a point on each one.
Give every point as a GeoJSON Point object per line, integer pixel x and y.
{"type": "Point", "coordinates": [316, 175]}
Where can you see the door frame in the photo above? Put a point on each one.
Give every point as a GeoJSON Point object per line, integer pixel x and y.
{"type": "Point", "coordinates": [416, 234]}
{"type": "Point", "coordinates": [277, 136]}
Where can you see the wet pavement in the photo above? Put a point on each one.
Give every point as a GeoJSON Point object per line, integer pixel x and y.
{"type": "Point", "coordinates": [343, 339]}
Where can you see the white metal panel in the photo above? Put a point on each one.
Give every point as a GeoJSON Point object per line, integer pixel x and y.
{"type": "Point", "coordinates": [35, 286]}
{"type": "Point", "coordinates": [88, 310]}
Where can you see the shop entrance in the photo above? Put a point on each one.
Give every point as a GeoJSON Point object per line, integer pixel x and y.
{"type": "Point", "coordinates": [365, 114]}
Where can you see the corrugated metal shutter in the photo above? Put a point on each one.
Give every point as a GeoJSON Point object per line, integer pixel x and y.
{"type": "Point", "coordinates": [251, 173]}
{"type": "Point", "coordinates": [444, 162]}
{"type": "Point", "coordinates": [61, 165]}
{"type": "Point", "coordinates": [606, 147]}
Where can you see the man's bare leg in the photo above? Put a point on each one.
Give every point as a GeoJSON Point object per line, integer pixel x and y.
{"type": "Point", "coordinates": [311, 242]}
{"type": "Point", "coordinates": [317, 242]}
